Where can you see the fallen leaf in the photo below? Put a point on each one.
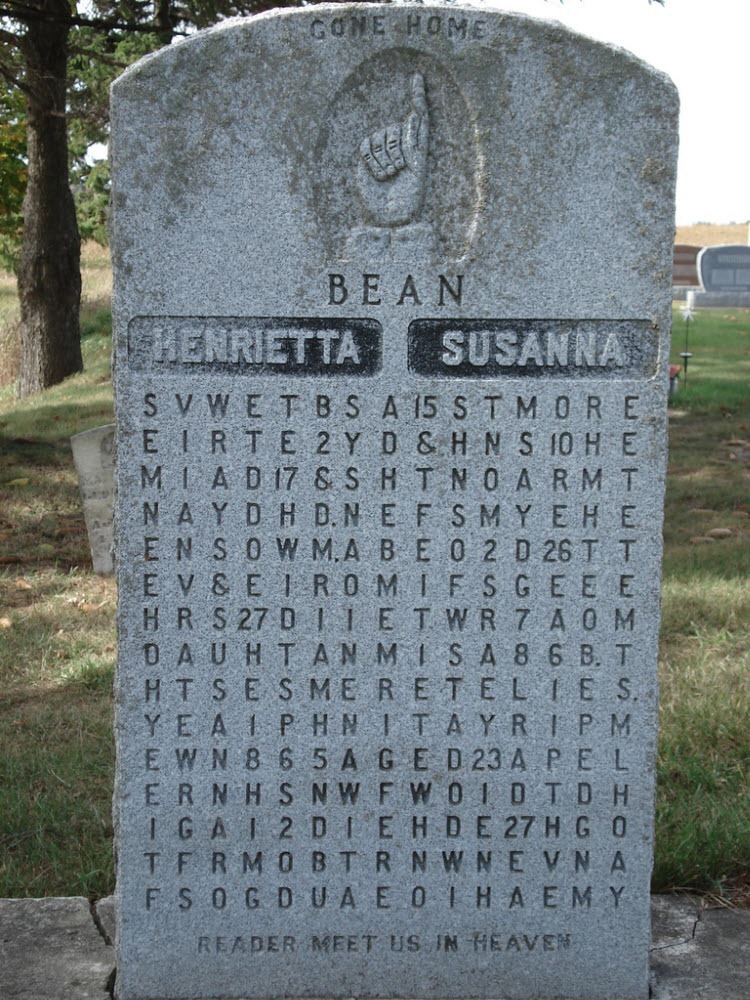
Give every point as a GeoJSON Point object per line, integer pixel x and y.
{"type": "Point", "coordinates": [22, 584]}
{"type": "Point", "coordinates": [18, 482]}
{"type": "Point", "coordinates": [5, 623]}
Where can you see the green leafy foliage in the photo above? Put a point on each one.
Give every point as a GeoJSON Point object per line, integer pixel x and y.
{"type": "Point", "coordinates": [115, 34]}
{"type": "Point", "coordinates": [92, 202]}
{"type": "Point", "coordinates": [13, 172]}
{"type": "Point", "coordinates": [96, 59]}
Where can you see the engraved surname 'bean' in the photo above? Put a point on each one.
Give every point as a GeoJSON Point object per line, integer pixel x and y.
{"type": "Point", "coordinates": [405, 292]}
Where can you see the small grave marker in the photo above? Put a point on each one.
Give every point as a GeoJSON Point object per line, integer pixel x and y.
{"type": "Point", "coordinates": [391, 408]}
{"type": "Point", "coordinates": [94, 462]}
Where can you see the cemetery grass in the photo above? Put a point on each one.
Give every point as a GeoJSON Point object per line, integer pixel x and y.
{"type": "Point", "coordinates": [57, 631]}
{"type": "Point", "coordinates": [703, 803]}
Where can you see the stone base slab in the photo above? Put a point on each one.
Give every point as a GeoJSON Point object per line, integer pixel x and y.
{"type": "Point", "coordinates": [713, 300]}
{"type": "Point", "coordinates": [52, 949]}
{"type": "Point", "coordinates": [60, 949]}
{"type": "Point", "coordinates": [722, 300]}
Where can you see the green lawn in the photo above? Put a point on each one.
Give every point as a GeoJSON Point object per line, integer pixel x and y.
{"type": "Point", "coordinates": [57, 631]}
{"type": "Point", "coordinates": [703, 806]}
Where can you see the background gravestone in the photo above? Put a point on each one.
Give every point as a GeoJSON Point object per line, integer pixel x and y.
{"type": "Point", "coordinates": [724, 275]}
{"type": "Point", "coordinates": [94, 462]}
{"type": "Point", "coordinates": [725, 268]}
{"type": "Point", "coordinates": [392, 307]}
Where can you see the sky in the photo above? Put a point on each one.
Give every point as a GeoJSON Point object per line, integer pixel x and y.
{"type": "Point", "coordinates": [704, 46]}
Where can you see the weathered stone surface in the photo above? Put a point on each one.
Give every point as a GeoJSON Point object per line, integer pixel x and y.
{"type": "Point", "coordinates": [391, 400]}
{"type": "Point", "coordinates": [50, 949]}
{"type": "Point", "coordinates": [104, 915]}
{"type": "Point", "coordinates": [94, 462]}
{"type": "Point", "coordinates": [699, 952]}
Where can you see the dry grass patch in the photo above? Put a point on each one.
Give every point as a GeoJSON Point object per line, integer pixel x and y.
{"type": "Point", "coordinates": [709, 235]}
{"type": "Point", "coordinates": [96, 275]}
{"type": "Point", "coordinates": [9, 333]}
{"type": "Point", "coordinates": [57, 628]}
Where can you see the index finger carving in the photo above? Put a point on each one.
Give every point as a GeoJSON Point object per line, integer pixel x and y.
{"type": "Point", "coordinates": [418, 96]}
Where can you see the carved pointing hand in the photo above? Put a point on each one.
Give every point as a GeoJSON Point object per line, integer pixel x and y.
{"type": "Point", "coordinates": [393, 163]}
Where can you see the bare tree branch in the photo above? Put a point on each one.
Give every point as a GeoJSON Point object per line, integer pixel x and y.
{"type": "Point", "coordinates": [12, 79]}
{"type": "Point", "coordinates": [26, 14]}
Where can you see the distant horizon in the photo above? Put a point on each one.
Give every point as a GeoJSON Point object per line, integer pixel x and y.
{"type": "Point", "coordinates": [704, 222]}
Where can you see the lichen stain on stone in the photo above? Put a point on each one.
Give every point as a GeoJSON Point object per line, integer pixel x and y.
{"type": "Point", "coordinates": [653, 170]}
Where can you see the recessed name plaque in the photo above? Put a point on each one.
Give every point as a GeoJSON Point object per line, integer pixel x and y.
{"type": "Point", "coordinates": [392, 305]}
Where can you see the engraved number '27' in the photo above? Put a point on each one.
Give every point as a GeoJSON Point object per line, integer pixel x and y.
{"type": "Point", "coordinates": [252, 618]}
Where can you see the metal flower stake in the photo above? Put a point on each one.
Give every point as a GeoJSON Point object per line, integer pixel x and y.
{"type": "Point", "coordinates": [688, 311]}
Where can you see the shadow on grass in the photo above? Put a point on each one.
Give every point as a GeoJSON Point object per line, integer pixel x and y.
{"type": "Point", "coordinates": [55, 421]}
{"type": "Point", "coordinates": [15, 451]}
{"type": "Point", "coordinates": [57, 629]}
{"type": "Point", "coordinates": [41, 515]}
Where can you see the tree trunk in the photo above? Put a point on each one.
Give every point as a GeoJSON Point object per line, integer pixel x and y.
{"type": "Point", "coordinates": [49, 275]}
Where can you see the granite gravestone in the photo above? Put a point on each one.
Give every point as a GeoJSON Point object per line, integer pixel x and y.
{"type": "Point", "coordinates": [93, 458]}
{"type": "Point", "coordinates": [724, 276]}
{"type": "Point", "coordinates": [392, 305]}
{"type": "Point", "coordinates": [725, 268]}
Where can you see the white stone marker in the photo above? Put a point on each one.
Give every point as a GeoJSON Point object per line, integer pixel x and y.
{"type": "Point", "coordinates": [392, 306]}
{"type": "Point", "coordinates": [94, 462]}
